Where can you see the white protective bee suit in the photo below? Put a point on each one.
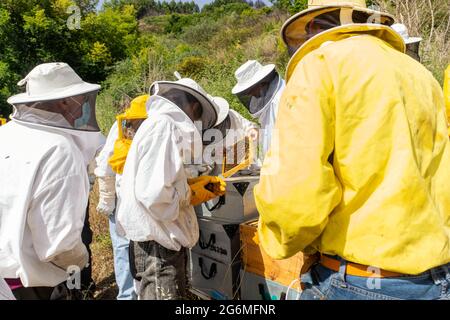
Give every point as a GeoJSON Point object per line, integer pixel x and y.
{"type": "Point", "coordinates": [44, 185]}
{"type": "Point", "coordinates": [156, 204]}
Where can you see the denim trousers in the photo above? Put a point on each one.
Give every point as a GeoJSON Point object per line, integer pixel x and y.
{"type": "Point", "coordinates": [122, 272]}
{"type": "Point", "coordinates": [161, 272]}
{"type": "Point", "coordinates": [321, 283]}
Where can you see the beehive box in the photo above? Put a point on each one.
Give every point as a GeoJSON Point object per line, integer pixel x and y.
{"type": "Point", "coordinates": [218, 241]}
{"type": "Point", "coordinates": [256, 260]}
{"type": "Point", "coordinates": [217, 280]}
{"type": "Point", "coordinates": [236, 206]}
{"type": "Point", "coordinates": [255, 287]}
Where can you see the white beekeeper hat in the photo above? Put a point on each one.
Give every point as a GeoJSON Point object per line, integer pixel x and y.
{"type": "Point", "coordinates": [211, 109]}
{"type": "Point", "coordinates": [249, 74]}
{"type": "Point", "coordinates": [52, 81]}
{"type": "Point", "coordinates": [403, 31]}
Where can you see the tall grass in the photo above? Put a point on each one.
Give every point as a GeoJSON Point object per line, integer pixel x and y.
{"type": "Point", "coordinates": [429, 19]}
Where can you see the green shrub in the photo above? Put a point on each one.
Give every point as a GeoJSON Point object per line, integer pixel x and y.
{"type": "Point", "coordinates": [191, 66]}
{"type": "Point", "coordinates": [202, 32]}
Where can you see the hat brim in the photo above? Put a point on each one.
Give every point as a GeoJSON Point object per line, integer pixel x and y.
{"type": "Point", "coordinates": [69, 91]}
{"type": "Point", "coordinates": [224, 109]}
{"type": "Point", "coordinates": [207, 104]}
{"type": "Point", "coordinates": [412, 40]}
{"type": "Point", "coordinates": [261, 74]}
{"type": "Point", "coordinates": [342, 32]}
{"type": "Point", "coordinates": [304, 17]}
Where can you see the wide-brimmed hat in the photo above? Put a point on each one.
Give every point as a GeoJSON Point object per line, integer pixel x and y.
{"type": "Point", "coordinates": [52, 81]}
{"type": "Point", "coordinates": [384, 33]}
{"type": "Point", "coordinates": [249, 74]}
{"type": "Point", "coordinates": [294, 31]}
{"type": "Point", "coordinates": [402, 30]}
{"type": "Point", "coordinates": [210, 108]}
{"type": "Point", "coordinates": [224, 109]}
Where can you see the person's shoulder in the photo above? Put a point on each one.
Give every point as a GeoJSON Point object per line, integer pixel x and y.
{"type": "Point", "coordinates": [34, 138]}
{"type": "Point", "coordinates": [157, 123]}
{"type": "Point", "coordinates": [151, 130]}
{"type": "Point", "coordinates": [358, 46]}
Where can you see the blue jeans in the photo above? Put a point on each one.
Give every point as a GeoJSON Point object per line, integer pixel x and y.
{"type": "Point", "coordinates": [122, 272]}
{"type": "Point", "coordinates": [321, 283]}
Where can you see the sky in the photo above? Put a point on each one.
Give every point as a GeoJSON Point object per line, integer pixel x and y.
{"type": "Point", "coordinates": [200, 3]}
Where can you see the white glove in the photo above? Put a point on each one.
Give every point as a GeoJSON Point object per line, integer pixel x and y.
{"type": "Point", "coordinates": [107, 195]}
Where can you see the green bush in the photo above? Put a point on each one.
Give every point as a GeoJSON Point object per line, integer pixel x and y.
{"type": "Point", "coordinates": [35, 31]}
{"type": "Point", "coordinates": [202, 32]}
{"type": "Point", "coordinates": [192, 66]}
{"type": "Point", "coordinates": [177, 23]}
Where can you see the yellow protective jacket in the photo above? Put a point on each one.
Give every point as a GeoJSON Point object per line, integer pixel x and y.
{"type": "Point", "coordinates": [360, 160]}
{"type": "Point", "coordinates": [447, 95]}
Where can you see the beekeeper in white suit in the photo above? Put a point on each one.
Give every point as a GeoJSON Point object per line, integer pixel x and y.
{"type": "Point", "coordinates": [259, 89]}
{"type": "Point", "coordinates": [157, 199]}
{"type": "Point", "coordinates": [44, 185]}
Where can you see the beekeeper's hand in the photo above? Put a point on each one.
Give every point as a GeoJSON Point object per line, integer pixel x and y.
{"type": "Point", "coordinates": [205, 188]}
{"type": "Point", "coordinates": [107, 195]}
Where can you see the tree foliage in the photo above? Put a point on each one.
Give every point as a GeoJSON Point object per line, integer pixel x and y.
{"type": "Point", "coordinates": [291, 6]}
{"type": "Point", "coordinates": [154, 8]}
{"type": "Point", "coordinates": [36, 31]}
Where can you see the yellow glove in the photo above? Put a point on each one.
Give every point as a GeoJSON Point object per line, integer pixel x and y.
{"type": "Point", "coordinates": [205, 188]}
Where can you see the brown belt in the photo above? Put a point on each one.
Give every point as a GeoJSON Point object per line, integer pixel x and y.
{"type": "Point", "coordinates": [359, 270]}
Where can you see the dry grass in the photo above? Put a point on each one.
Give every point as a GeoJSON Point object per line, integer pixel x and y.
{"type": "Point", "coordinates": [429, 19]}
{"type": "Point", "coordinates": [102, 257]}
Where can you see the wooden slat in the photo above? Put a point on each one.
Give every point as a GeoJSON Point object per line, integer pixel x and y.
{"type": "Point", "coordinates": [256, 260]}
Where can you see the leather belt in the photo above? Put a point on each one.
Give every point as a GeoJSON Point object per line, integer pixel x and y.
{"type": "Point", "coordinates": [358, 270]}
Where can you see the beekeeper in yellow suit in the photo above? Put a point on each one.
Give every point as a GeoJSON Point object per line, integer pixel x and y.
{"type": "Point", "coordinates": [362, 161]}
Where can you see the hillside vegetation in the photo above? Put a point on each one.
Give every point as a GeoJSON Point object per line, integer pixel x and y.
{"type": "Point", "coordinates": [209, 46]}
{"type": "Point", "coordinates": [131, 43]}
